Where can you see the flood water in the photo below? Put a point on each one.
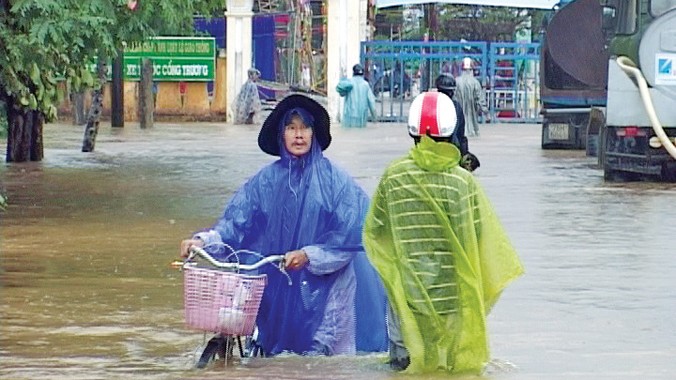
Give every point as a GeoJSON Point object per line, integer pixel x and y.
{"type": "Point", "coordinates": [88, 293]}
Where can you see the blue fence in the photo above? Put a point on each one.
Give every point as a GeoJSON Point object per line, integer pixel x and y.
{"type": "Point", "coordinates": [509, 72]}
{"type": "Point", "coordinates": [513, 88]}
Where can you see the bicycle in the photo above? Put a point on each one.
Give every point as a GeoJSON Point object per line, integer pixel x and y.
{"type": "Point", "coordinates": [220, 299]}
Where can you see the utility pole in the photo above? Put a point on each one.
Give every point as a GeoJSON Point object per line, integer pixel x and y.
{"type": "Point", "coordinates": [117, 92]}
{"type": "Point", "coordinates": [430, 19]}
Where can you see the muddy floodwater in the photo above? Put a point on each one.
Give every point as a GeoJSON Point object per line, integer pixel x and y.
{"type": "Point", "coordinates": [87, 291]}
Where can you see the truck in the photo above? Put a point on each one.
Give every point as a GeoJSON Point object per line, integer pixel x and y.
{"type": "Point", "coordinates": [573, 72]}
{"type": "Point", "coordinates": [636, 130]}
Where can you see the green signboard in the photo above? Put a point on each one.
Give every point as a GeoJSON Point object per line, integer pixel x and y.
{"type": "Point", "coordinates": [188, 59]}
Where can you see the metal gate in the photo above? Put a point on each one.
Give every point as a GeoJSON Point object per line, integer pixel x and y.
{"type": "Point", "coordinates": [513, 88]}
{"type": "Point", "coordinates": [400, 70]}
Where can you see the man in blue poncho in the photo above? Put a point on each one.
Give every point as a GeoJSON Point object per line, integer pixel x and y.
{"type": "Point", "coordinates": [303, 206]}
{"type": "Point", "coordinates": [359, 99]}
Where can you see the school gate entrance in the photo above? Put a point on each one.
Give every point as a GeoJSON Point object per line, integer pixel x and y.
{"type": "Point", "coordinates": [400, 70]}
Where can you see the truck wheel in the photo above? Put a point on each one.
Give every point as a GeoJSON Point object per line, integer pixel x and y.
{"type": "Point", "coordinates": [668, 173]}
{"type": "Point", "coordinates": [611, 175]}
{"type": "Point", "coordinates": [579, 124]}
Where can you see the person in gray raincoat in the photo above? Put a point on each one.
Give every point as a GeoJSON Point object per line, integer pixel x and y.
{"type": "Point", "coordinates": [248, 103]}
{"type": "Point", "coordinates": [359, 99]}
{"type": "Point", "coordinates": [470, 95]}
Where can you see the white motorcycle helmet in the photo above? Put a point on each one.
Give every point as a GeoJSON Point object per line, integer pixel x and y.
{"type": "Point", "coordinates": [432, 114]}
{"type": "Point", "coordinates": [467, 63]}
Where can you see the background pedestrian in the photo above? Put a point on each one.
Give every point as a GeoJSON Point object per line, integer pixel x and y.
{"type": "Point", "coordinates": [248, 103]}
{"type": "Point", "coordinates": [359, 99]}
{"type": "Point", "coordinates": [470, 95]}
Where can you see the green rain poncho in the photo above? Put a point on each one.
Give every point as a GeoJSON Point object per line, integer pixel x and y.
{"type": "Point", "coordinates": [359, 101]}
{"type": "Point", "coordinates": [442, 254]}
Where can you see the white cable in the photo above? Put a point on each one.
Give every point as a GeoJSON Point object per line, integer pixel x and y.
{"type": "Point", "coordinates": [629, 67]}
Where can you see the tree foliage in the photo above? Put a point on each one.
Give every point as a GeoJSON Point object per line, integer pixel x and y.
{"type": "Point", "coordinates": [3, 120]}
{"type": "Point", "coordinates": [456, 22]}
{"type": "Point", "coordinates": [481, 23]}
{"type": "Point", "coordinates": [42, 41]}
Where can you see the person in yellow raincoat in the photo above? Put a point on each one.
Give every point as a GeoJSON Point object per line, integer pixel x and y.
{"type": "Point", "coordinates": [439, 248]}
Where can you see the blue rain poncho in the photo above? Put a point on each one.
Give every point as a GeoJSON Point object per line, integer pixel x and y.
{"type": "Point", "coordinates": [443, 256]}
{"type": "Point", "coordinates": [336, 304]}
{"type": "Point", "coordinates": [359, 101]}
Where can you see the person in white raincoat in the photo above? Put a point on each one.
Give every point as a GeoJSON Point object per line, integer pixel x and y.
{"type": "Point", "coordinates": [470, 95]}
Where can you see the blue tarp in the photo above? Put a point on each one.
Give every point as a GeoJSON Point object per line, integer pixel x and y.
{"type": "Point", "coordinates": [264, 51]}
{"type": "Point", "coordinates": [214, 27]}
{"type": "Point", "coordinates": [263, 29]}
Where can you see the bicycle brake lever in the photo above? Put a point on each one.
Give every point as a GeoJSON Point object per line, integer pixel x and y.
{"type": "Point", "coordinates": [282, 268]}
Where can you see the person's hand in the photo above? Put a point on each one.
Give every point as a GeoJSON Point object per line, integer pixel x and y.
{"type": "Point", "coordinates": [295, 259]}
{"type": "Point", "coordinates": [186, 244]}
{"type": "Point", "coordinates": [470, 162]}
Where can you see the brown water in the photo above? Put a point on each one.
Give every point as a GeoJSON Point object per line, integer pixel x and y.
{"type": "Point", "coordinates": [87, 290]}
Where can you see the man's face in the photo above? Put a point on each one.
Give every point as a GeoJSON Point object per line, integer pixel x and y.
{"type": "Point", "coordinates": [297, 137]}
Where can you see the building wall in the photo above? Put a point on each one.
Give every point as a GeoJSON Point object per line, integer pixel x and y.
{"type": "Point", "coordinates": [193, 104]}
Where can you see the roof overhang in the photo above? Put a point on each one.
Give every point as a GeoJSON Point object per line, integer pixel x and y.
{"type": "Point", "coordinates": [535, 4]}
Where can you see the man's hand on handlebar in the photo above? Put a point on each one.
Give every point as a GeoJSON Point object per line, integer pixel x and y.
{"type": "Point", "coordinates": [186, 244]}
{"type": "Point", "coordinates": [295, 259]}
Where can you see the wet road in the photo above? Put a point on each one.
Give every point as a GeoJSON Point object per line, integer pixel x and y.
{"type": "Point", "coordinates": [87, 292]}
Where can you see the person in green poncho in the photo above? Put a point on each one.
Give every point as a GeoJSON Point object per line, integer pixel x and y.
{"type": "Point", "coordinates": [439, 248]}
{"type": "Point", "coordinates": [359, 99]}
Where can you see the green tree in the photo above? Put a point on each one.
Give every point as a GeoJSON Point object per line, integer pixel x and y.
{"type": "Point", "coordinates": [3, 121]}
{"type": "Point", "coordinates": [481, 23]}
{"type": "Point", "coordinates": [41, 40]}
{"type": "Point", "coordinates": [456, 22]}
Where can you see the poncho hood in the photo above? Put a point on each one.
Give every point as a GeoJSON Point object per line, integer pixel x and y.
{"type": "Point", "coordinates": [435, 156]}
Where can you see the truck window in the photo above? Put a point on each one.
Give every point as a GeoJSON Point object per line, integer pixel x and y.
{"type": "Point", "coordinates": [624, 14]}
{"type": "Point", "coordinates": [660, 7]}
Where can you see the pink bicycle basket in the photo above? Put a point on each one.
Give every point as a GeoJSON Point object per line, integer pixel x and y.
{"type": "Point", "coordinates": [219, 301]}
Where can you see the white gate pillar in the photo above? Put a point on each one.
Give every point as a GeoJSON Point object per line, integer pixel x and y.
{"type": "Point", "coordinates": [345, 30]}
{"type": "Point", "coordinates": [239, 47]}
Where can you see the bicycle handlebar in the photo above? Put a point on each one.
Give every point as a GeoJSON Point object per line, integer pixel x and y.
{"type": "Point", "coordinates": [197, 251]}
